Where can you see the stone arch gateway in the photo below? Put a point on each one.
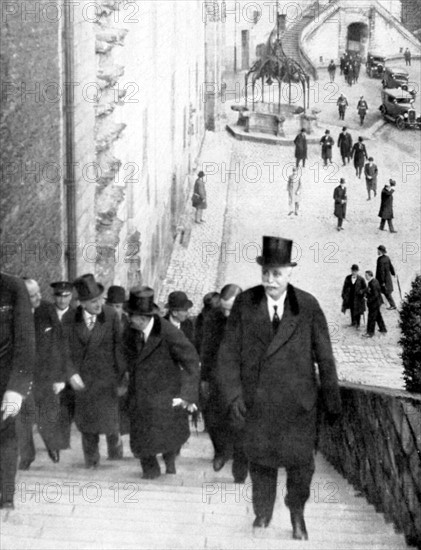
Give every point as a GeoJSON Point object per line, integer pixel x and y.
{"type": "Point", "coordinates": [357, 38]}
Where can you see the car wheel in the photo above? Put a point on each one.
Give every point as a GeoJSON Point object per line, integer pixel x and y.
{"type": "Point", "coordinates": [400, 123]}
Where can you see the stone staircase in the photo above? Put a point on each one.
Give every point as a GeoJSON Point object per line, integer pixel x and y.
{"type": "Point", "coordinates": [64, 506]}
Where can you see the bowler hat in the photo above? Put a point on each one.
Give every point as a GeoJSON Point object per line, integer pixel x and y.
{"type": "Point", "coordinates": [382, 248]}
{"type": "Point", "coordinates": [327, 132]}
{"type": "Point", "coordinates": [354, 267]}
{"type": "Point", "coordinates": [392, 182]}
{"type": "Point", "coordinates": [61, 287]}
{"type": "Point", "coordinates": [87, 288]}
{"type": "Point", "coordinates": [342, 180]}
{"type": "Point", "coordinates": [178, 300]}
{"type": "Point", "coordinates": [201, 174]}
{"type": "Point", "coordinates": [141, 301]}
{"type": "Point", "coordinates": [276, 253]}
{"type": "Point", "coordinates": [116, 295]}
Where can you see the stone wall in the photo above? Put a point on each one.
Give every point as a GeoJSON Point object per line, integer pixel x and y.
{"type": "Point", "coordinates": [377, 446]}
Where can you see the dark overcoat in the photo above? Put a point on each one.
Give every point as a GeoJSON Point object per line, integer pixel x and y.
{"type": "Point", "coordinates": [97, 357]}
{"type": "Point", "coordinates": [155, 380]}
{"type": "Point", "coordinates": [359, 152]}
{"type": "Point", "coordinates": [345, 144]}
{"type": "Point", "coordinates": [276, 375]}
{"type": "Point", "coordinates": [386, 204]}
{"type": "Point", "coordinates": [186, 327]}
{"type": "Point", "coordinates": [374, 295]}
{"type": "Point", "coordinates": [384, 272]}
{"type": "Point", "coordinates": [358, 301]}
{"type": "Point", "coordinates": [327, 143]}
{"type": "Point", "coordinates": [300, 147]}
{"type": "Point", "coordinates": [339, 195]}
{"type": "Point", "coordinates": [200, 190]}
{"type": "Point", "coordinates": [371, 170]}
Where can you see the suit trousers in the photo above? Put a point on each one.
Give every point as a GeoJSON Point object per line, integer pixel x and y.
{"type": "Point", "coordinates": [389, 222]}
{"type": "Point", "coordinates": [389, 298]}
{"type": "Point", "coordinates": [8, 459]}
{"type": "Point", "coordinates": [264, 487]}
{"type": "Point", "coordinates": [374, 316]}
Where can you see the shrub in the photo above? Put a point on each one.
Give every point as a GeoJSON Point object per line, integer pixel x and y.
{"type": "Point", "coordinates": [410, 325]}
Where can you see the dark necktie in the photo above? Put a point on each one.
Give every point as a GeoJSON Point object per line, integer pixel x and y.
{"type": "Point", "coordinates": [275, 320]}
{"type": "Point", "coordinates": [140, 344]}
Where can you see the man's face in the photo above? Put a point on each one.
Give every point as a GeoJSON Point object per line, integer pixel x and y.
{"type": "Point", "coordinates": [139, 322]}
{"type": "Point", "coordinates": [94, 306]}
{"type": "Point", "coordinates": [34, 294]}
{"type": "Point", "coordinates": [354, 273]}
{"type": "Point", "coordinates": [275, 280]}
{"type": "Point", "coordinates": [367, 276]}
{"type": "Point", "coordinates": [118, 308]}
{"type": "Point", "coordinates": [62, 301]}
{"type": "Point", "coordinates": [180, 314]}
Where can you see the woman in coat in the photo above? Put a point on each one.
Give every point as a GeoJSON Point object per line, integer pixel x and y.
{"type": "Point", "coordinates": [164, 379]}
{"type": "Point", "coordinates": [359, 153]}
{"type": "Point", "coordinates": [199, 197]}
{"type": "Point", "coordinates": [340, 198]}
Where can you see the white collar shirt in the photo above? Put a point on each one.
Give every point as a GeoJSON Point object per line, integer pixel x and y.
{"type": "Point", "coordinates": [147, 331]}
{"type": "Point", "coordinates": [279, 303]}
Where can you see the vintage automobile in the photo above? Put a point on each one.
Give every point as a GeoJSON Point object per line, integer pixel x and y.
{"type": "Point", "coordinates": [397, 107]}
{"type": "Point", "coordinates": [397, 77]}
{"type": "Point", "coordinates": [375, 65]}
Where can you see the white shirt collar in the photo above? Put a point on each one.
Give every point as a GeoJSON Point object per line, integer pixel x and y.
{"type": "Point", "coordinates": [61, 312]}
{"type": "Point", "coordinates": [279, 303]}
{"type": "Point", "coordinates": [148, 329]}
{"type": "Point", "coordinates": [175, 321]}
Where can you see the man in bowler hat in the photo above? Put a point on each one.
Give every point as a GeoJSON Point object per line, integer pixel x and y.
{"type": "Point", "coordinates": [340, 198]}
{"type": "Point", "coordinates": [164, 380]}
{"type": "Point", "coordinates": [96, 367]}
{"type": "Point", "coordinates": [275, 335]}
{"type": "Point", "coordinates": [178, 311]}
{"type": "Point", "coordinates": [386, 206]}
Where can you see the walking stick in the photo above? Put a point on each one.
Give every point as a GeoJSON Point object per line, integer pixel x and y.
{"type": "Point", "coordinates": [399, 286]}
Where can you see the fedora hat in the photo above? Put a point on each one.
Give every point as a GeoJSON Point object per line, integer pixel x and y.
{"type": "Point", "coordinates": [178, 300]}
{"type": "Point", "coordinates": [382, 248]}
{"type": "Point", "coordinates": [141, 301]}
{"type": "Point", "coordinates": [87, 288]}
{"type": "Point", "coordinates": [116, 295]}
{"type": "Point", "coordinates": [61, 288]}
{"type": "Point", "coordinates": [276, 253]}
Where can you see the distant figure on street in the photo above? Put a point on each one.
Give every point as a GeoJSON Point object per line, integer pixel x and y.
{"type": "Point", "coordinates": [362, 108]}
{"type": "Point", "coordinates": [374, 302]}
{"type": "Point", "coordinates": [359, 153]}
{"type": "Point", "coordinates": [384, 272]}
{"type": "Point", "coordinates": [407, 55]}
{"type": "Point", "coordinates": [199, 197]}
{"type": "Point", "coordinates": [332, 70]}
{"type": "Point", "coordinates": [301, 148]}
{"type": "Point", "coordinates": [386, 206]}
{"type": "Point", "coordinates": [353, 296]}
{"type": "Point", "coordinates": [342, 63]}
{"type": "Point", "coordinates": [342, 104]}
{"type": "Point", "coordinates": [294, 192]}
{"type": "Point", "coordinates": [357, 69]}
{"type": "Point", "coordinates": [340, 198]}
{"type": "Point", "coordinates": [345, 145]}
{"type": "Point", "coordinates": [370, 172]}
{"type": "Point", "coordinates": [211, 300]}
{"type": "Point", "coordinates": [350, 77]}
{"type": "Point", "coordinates": [327, 143]}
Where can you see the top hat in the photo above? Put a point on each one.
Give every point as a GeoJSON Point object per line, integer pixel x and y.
{"type": "Point", "coordinates": [392, 182]}
{"type": "Point", "coordinates": [327, 131]}
{"type": "Point", "coordinates": [178, 300]}
{"type": "Point", "coordinates": [141, 301]}
{"type": "Point", "coordinates": [61, 288]}
{"type": "Point", "coordinates": [382, 248]}
{"type": "Point", "coordinates": [87, 288]}
{"type": "Point", "coordinates": [342, 180]}
{"type": "Point", "coordinates": [360, 138]}
{"type": "Point", "coordinates": [116, 295]}
{"type": "Point", "coordinates": [276, 253]}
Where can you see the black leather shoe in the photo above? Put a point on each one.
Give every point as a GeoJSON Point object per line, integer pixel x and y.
{"type": "Point", "coordinates": [218, 463]}
{"type": "Point", "coordinates": [299, 531]}
{"type": "Point", "coordinates": [25, 464]}
{"type": "Point", "coordinates": [7, 505]}
{"type": "Point", "coordinates": [240, 480]}
{"type": "Point", "coordinates": [54, 455]}
{"type": "Point", "coordinates": [260, 521]}
{"type": "Point", "coordinates": [151, 474]}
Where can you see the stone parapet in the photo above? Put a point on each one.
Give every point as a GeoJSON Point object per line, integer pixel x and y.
{"type": "Point", "coordinates": [377, 446]}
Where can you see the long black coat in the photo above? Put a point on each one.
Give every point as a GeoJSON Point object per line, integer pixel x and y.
{"type": "Point", "coordinates": [345, 144]}
{"type": "Point", "coordinates": [300, 147]}
{"type": "Point", "coordinates": [327, 143]}
{"type": "Point", "coordinates": [374, 295]}
{"type": "Point", "coordinates": [358, 301]}
{"type": "Point", "coordinates": [359, 152]}
{"type": "Point", "coordinates": [339, 195]}
{"type": "Point", "coordinates": [384, 272]}
{"type": "Point", "coordinates": [386, 204]}
{"type": "Point", "coordinates": [155, 379]}
{"type": "Point", "coordinates": [97, 356]}
{"type": "Point", "coordinates": [276, 374]}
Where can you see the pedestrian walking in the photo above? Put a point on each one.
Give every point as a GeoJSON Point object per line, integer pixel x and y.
{"type": "Point", "coordinates": [374, 302]}
{"type": "Point", "coordinates": [362, 108]}
{"type": "Point", "coordinates": [199, 197]}
{"type": "Point", "coordinates": [357, 69]}
{"type": "Point", "coordinates": [164, 381]}
{"type": "Point", "coordinates": [370, 172]}
{"type": "Point", "coordinates": [17, 357]}
{"type": "Point", "coordinates": [353, 296]}
{"type": "Point", "coordinates": [342, 63]}
{"type": "Point", "coordinates": [327, 143]}
{"type": "Point", "coordinates": [384, 272]}
{"type": "Point", "coordinates": [211, 300]}
{"type": "Point", "coordinates": [340, 198]}
{"type": "Point", "coordinates": [300, 142]}
{"type": "Point", "coordinates": [331, 69]}
{"type": "Point", "coordinates": [350, 77]}
{"type": "Point", "coordinates": [294, 192]}
{"type": "Point", "coordinates": [345, 145]}
{"type": "Point", "coordinates": [359, 154]}
{"type": "Point", "coordinates": [275, 336]}
{"type": "Point", "coordinates": [407, 55]}
{"type": "Point", "coordinates": [342, 104]}
{"type": "Point", "coordinates": [178, 306]}
{"type": "Point", "coordinates": [386, 206]}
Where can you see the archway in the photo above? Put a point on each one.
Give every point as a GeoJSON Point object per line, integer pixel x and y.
{"type": "Point", "coordinates": [357, 39]}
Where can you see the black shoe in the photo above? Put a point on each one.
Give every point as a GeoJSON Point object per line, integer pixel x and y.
{"type": "Point", "coordinates": [393, 231]}
{"type": "Point", "coordinates": [170, 463]}
{"type": "Point", "coordinates": [91, 465]}
{"type": "Point", "coordinates": [25, 464]}
{"type": "Point", "coordinates": [54, 455]}
{"type": "Point", "coordinates": [299, 531]}
{"type": "Point", "coordinates": [260, 521]}
{"type": "Point", "coordinates": [240, 480]}
{"type": "Point", "coordinates": [218, 463]}
{"type": "Point", "coordinates": [151, 474]}
{"type": "Point", "coordinates": [383, 331]}
{"type": "Point", "coordinates": [366, 335]}
{"type": "Point", "coordinates": [7, 505]}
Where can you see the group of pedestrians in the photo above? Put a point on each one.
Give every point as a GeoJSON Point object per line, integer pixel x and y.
{"type": "Point", "coordinates": [362, 107]}
{"type": "Point", "coordinates": [350, 67]}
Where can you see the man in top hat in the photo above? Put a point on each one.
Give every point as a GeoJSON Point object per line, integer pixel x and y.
{"type": "Point", "coordinates": [370, 172]}
{"type": "Point", "coordinates": [359, 153]}
{"type": "Point", "coordinates": [353, 296]}
{"type": "Point", "coordinates": [178, 310]}
{"type": "Point", "coordinates": [345, 145]}
{"type": "Point", "coordinates": [164, 380]}
{"type": "Point", "coordinates": [96, 366]}
{"type": "Point", "coordinates": [275, 335]}
{"type": "Point", "coordinates": [340, 198]}
{"type": "Point", "coordinates": [327, 143]}
{"type": "Point", "coordinates": [384, 272]}
{"type": "Point", "coordinates": [300, 142]}
{"type": "Point", "coordinates": [386, 206]}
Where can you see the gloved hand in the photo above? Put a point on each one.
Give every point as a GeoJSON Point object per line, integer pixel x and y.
{"type": "Point", "coordinates": [76, 382]}
{"type": "Point", "coordinates": [58, 387]}
{"type": "Point", "coordinates": [11, 404]}
{"type": "Point", "coordinates": [238, 410]}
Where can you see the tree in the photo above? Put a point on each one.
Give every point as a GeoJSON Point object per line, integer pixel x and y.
{"type": "Point", "coordinates": [410, 325]}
